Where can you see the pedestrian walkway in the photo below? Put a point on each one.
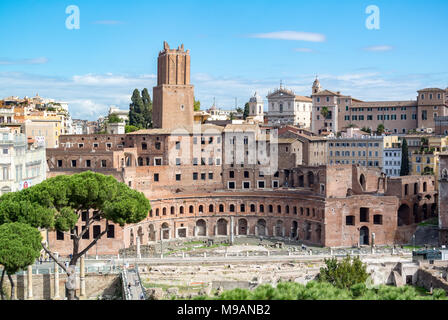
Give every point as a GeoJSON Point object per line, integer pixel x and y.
{"type": "Point", "coordinates": [132, 286]}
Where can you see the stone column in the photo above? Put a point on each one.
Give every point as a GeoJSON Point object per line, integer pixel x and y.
{"type": "Point", "coordinates": [139, 255]}
{"type": "Point", "coordinates": [256, 230]}
{"type": "Point", "coordinates": [56, 281]}
{"type": "Point", "coordinates": [236, 230]}
{"type": "Point", "coordinates": [82, 276]}
{"type": "Point", "coordinates": [216, 229]}
{"type": "Point", "coordinates": [274, 231]}
{"type": "Point", "coordinates": [231, 230]}
{"type": "Point", "coordinates": [283, 232]}
{"type": "Point", "coordinates": [195, 231]}
{"type": "Point", "coordinates": [30, 283]}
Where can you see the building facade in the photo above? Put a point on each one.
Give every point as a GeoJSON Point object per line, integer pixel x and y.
{"type": "Point", "coordinates": [239, 179]}
{"type": "Point", "coordinates": [22, 163]}
{"type": "Point", "coordinates": [287, 108]}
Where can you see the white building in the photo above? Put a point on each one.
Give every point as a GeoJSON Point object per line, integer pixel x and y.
{"type": "Point", "coordinates": [218, 114]}
{"type": "Point", "coordinates": [285, 107]}
{"type": "Point", "coordinates": [122, 114]}
{"type": "Point", "coordinates": [392, 161]}
{"type": "Point", "coordinates": [22, 165]}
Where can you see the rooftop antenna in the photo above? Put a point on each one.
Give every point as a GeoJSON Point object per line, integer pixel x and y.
{"type": "Point", "coordinates": [281, 84]}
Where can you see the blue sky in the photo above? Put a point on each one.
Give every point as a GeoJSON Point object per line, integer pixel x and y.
{"type": "Point", "coordinates": [237, 47]}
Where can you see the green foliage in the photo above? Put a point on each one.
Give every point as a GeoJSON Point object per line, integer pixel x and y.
{"type": "Point", "coordinates": [20, 246]}
{"type": "Point", "coordinates": [129, 128]}
{"type": "Point", "coordinates": [380, 129]}
{"type": "Point", "coordinates": [114, 118]}
{"type": "Point", "coordinates": [55, 203]}
{"type": "Point", "coordinates": [239, 110]}
{"type": "Point", "coordinates": [197, 105]}
{"type": "Point", "coordinates": [365, 129]}
{"type": "Point", "coordinates": [136, 109]}
{"type": "Point", "coordinates": [317, 290]}
{"type": "Point", "coordinates": [246, 111]}
{"type": "Point", "coordinates": [404, 171]}
{"type": "Point", "coordinates": [325, 112]}
{"type": "Point", "coordinates": [147, 109]}
{"type": "Point", "coordinates": [344, 274]}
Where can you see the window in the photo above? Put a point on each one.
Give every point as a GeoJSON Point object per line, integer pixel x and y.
{"type": "Point", "coordinates": [111, 231]}
{"type": "Point", "coordinates": [364, 215]}
{"type": "Point", "coordinates": [87, 234]}
{"type": "Point", "coordinates": [157, 161]}
{"type": "Point", "coordinates": [59, 235]}
{"type": "Point", "coordinates": [85, 215]}
{"type": "Point", "coordinates": [158, 145]}
{"type": "Point", "coordinates": [144, 146]}
{"type": "Point", "coordinates": [103, 163]}
{"type": "Point", "coordinates": [177, 161]}
{"type": "Point", "coordinates": [156, 177]}
{"type": "Point", "coordinates": [261, 208]}
{"type": "Point", "coordinates": [177, 145]}
{"type": "Point", "coordinates": [246, 185]}
{"type": "Point", "coordinates": [242, 207]}
{"type": "Point", "coordinates": [260, 184]}
{"type": "Point", "coordinates": [246, 174]}
{"type": "Point", "coordinates": [96, 231]}
{"type": "Point", "coordinates": [59, 163]}
{"type": "Point", "coordinates": [231, 185]}
{"type": "Point", "coordinates": [195, 176]}
{"type": "Point", "coordinates": [210, 175]}
{"type": "Point", "coordinates": [350, 220]}
{"type": "Point", "coordinates": [178, 177]}
{"type": "Point", "coordinates": [80, 145]}
{"type": "Point", "coordinates": [275, 184]}
{"type": "Point", "coordinates": [231, 174]}
{"type": "Point", "coordinates": [203, 176]}
{"type": "Point", "coordinates": [88, 163]}
{"type": "Point", "coordinates": [377, 219]}
{"type": "Point", "coordinates": [73, 163]}
{"type": "Point", "coordinates": [232, 208]}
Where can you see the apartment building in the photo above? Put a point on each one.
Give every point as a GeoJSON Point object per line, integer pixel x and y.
{"type": "Point", "coordinates": [22, 163]}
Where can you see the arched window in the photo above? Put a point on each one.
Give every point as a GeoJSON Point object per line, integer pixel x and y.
{"type": "Point", "coordinates": [221, 208]}
{"type": "Point", "coordinates": [172, 210]}
{"type": "Point", "coordinates": [150, 213]}
{"type": "Point", "coordinates": [164, 211]}
{"type": "Point", "coordinates": [191, 209]}
{"type": "Point", "coordinates": [261, 208]}
{"type": "Point", "coordinates": [279, 209]}
{"type": "Point", "coordinates": [210, 208]}
{"type": "Point", "coordinates": [140, 161]}
{"type": "Point", "coordinates": [271, 208]}
{"type": "Point", "coordinates": [295, 210]}
{"type": "Point", "coordinates": [287, 209]}
{"type": "Point", "coordinates": [242, 207]}
{"type": "Point", "coordinates": [157, 212]}
{"type": "Point", "coordinates": [252, 208]}
{"type": "Point", "coordinates": [232, 208]}
{"type": "Point", "coordinates": [201, 209]}
{"type": "Point", "coordinates": [181, 209]}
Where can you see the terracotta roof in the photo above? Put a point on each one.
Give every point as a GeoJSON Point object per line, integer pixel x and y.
{"type": "Point", "coordinates": [180, 130]}
{"type": "Point", "coordinates": [430, 89]}
{"type": "Point", "coordinates": [305, 99]}
{"type": "Point", "coordinates": [374, 104]}
{"type": "Point", "coordinates": [326, 93]}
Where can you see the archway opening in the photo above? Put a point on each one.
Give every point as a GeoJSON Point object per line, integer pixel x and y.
{"type": "Point", "coordinates": [403, 215]}
{"type": "Point", "coordinates": [201, 228]}
{"type": "Point", "coordinates": [364, 236]}
{"type": "Point", "coordinates": [222, 227]}
{"type": "Point", "coordinates": [242, 227]}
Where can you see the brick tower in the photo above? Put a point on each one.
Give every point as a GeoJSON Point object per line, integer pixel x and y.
{"type": "Point", "coordinates": [174, 95]}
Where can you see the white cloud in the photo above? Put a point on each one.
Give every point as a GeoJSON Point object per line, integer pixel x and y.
{"type": "Point", "coordinates": [6, 61]}
{"type": "Point", "coordinates": [379, 48]}
{"type": "Point", "coordinates": [307, 50]}
{"type": "Point", "coordinates": [291, 35]}
{"type": "Point", "coordinates": [90, 95]}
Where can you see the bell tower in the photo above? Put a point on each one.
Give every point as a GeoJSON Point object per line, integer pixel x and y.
{"type": "Point", "coordinates": [173, 104]}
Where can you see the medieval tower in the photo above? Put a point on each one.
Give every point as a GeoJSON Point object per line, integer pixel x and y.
{"type": "Point", "coordinates": [174, 95]}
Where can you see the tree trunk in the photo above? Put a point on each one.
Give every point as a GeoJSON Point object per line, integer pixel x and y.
{"type": "Point", "coordinates": [13, 293]}
{"type": "Point", "coordinates": [1, 285]}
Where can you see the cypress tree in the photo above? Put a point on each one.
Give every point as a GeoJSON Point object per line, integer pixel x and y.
{"type": "Point", "coordinates": [147, 108]}
{"type": "Point", "coordinates": [136, 108]}
{"type": "Point", "coordinates": [246, 111]}
{"type": "Point", "coordinates": [404, 159]}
